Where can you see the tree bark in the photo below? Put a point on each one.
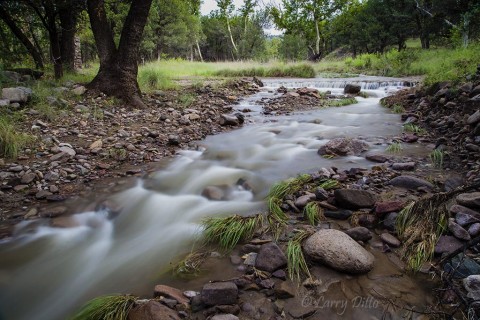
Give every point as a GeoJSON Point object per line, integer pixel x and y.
{"type": "Point", "coordinates": [231, 36]}
{"type": "Point", "coordinates": [36, 55]}
{"type": "Point", "coordinates": [118, 71]}
{"type": "Point", "coordinates": [68, 23]}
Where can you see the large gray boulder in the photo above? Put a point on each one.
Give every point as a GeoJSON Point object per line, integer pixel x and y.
{"type": "Point", "coordinates": [343, 147]}
{"type": "Point", "coordinates": [18, 94]}
{"type": "Point", "coordinates": [354, 199]}
{"type": "Point", "coordinates": [338, 251]}
{"type": "Point", "coordinates": [352, 89]}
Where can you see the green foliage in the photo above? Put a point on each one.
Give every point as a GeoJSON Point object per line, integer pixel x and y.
{"type": "Point", "coordinates": [297, 266]}
{"type": "Point", "coordinates": [186, 99]}
{"type": "Point", "coordinates": [413, 128]}
{"type": "Point", "coordinates": [398, 109]}
{"type": "Point", "coordinates": [313, 213]}
{"type": "Point", "coordinates": [106, 308]}
{"type": "Point", "coordinates": [436, 157]}
{"type": "Point", "coordinates": [229, 231]}
{"type": "Point", "coordinates": [329, 184]}
{"type": "Point", "coordinates": [296, 71]}
{"type": "Point", "coordinates": [11, 141]}
{"type": "Point", "coordinates": [150, 79]}
{"type": "Point", "coordinates": [394, 147]}
{"type": "Point", "coordinates": [341, 102]}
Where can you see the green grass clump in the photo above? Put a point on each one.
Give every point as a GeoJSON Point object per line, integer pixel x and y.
{"type": "Point", "coordinates": [11, 141]}
{"type": "Point", "coordinates": [295, 71]}
{"type": "Point", "coordinates": [394, 147]}
{"type": "Point", "coordinates": [297, 266]}
{"type": "Point", "coordinates": [328, 184]}
{"type": "Point", "coordinates": [436, 157]}
{"type": "Point", "coordinates": [413, 128]}
{"type": "Point", "coordinates": [398, 109]}
{"type": "Point", "coordinates": [186, 99]}
{"type": "Point", "coordinates": [313, 213]}
{"type": "Point", "coordinates": [154, 79]}
{"type": "Point", "coordinates": [341, 102]}
{"type": "Point", "coordinates": [229, 231]}
{"type": "Point", "coordinates": [190, 266]}
{"type": "Point", "coordinates": [106, 308]}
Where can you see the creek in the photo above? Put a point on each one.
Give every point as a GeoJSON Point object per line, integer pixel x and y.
{"type": "Point", "coordinates": [47, 272]}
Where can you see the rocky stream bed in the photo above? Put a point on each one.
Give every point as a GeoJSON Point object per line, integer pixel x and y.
{"type": "Point", "coordinates": [355, 252]}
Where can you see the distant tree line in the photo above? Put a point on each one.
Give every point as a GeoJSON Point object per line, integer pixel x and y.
{"type": "Point", "coordinates": [44, 31]}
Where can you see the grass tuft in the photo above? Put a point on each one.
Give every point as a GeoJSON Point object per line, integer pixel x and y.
{"type": "Point", "coordinates": [229, 231]}
{"type": "Point", "coordinates": [313, 213]}
{"type": "Point", "coordinates": [11, 141]}
{"type": "Point", "coordinates": [106, 308]}
{"type": "Point", "coordinates": [413, 128]}
{"type": "Point", "coordinates": [398, 109]}
{"type": "Point", "coordinates": [436, 157]}
{"type": "Point", "coordinates": [395, 147]}
{"type": "Point", "coordinates": [190, 266]}
{"type": "Point", "coordinates": [329, 184]}
{"type": "Point", "coordinates": [341, 102]}
{"type": "Point", "coordinates": [295, 71]}
{"type": "Point", "coordinates": [297, 266]}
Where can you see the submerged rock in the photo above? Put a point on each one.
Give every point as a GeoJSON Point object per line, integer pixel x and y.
{"type": "Point", "coordinates": [343, 147]}
{"type": "Point", "coordinates": [339, 251]}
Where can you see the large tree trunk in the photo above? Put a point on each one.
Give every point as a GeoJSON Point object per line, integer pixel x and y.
{"type": "Point", "coordinates": [118, 71]}
{"type": "Point", "coordinates": [36, 55]}
{"type": "Point", "coordinates": [68, 22]}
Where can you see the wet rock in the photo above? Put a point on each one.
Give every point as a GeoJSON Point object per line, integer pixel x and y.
{"type": "Point", "coordinates": [173, 140]}
{"type": "Point", "coordinates": [340, 214]}
{"type": "Point", "coordinates": [354, 199]}
{"type": "Point", "coordinates": [472, 285]}
{"type": "Point", "coordinates": [359, 234]}
{"type": "Point", "coordinates": [28, 177]}
{"type": "Point", "coordinates": [457, 230]}
{"type": "Point", "coordinates": [285, 290]}
{"type": "Point", "coordinates": [18, 94]}
{"type": "Point", "coordinates": [390, 240]}
{"type": "Point", "coordinates": [152, 310]}
{"type": "Point", "coordinates": [469, 200]}
{"type": "Point", "coordinates": [228, 120]}
{"type": "Point", "coordinates": [42, 194]}
{"type": "Point", "coordinates": [390, 221]}
{"type": "Point", "coordinates": [213, 193]}
{"type": "Point", "coordinates": [409, 182]}
{"type": "Point", "coordinates": [368, 221]}
{"type": "Point", "coordinates": [339, 251]}
{"type": "Point", "coordinates": [405, 166]}
{"type": "Point", "coordinates": [352, 89]}
{"type": "Point", "coordinates": [250, 259]}
{"type": "Point", "coordinates": [321, 194]}
{"type": "Point", "coordinates": [343, 147]}
{"type": "Point", "coordinates": [384, 207]}
{"type": "Point", "coordinates": [302, 201]}
{"type": "Point", "coordinates": [462, 266]}
{"type": "Point", "coordinates": [474, 230]}
{"type": "Point", "coordinates": [453, 182]}
{"type": "Point", "coordinates": [457, 209]}
{"type": "Point", "coordinates": [280, 274]}
{"type": "Point", "coordinates": [270, 258]}
{"type": "Point", "coordinates": [169, 292]}
{"type": "Point", "coordinates": [409, 138]}
{"type": "Point", "coordinates": [464, 219]}
{"type": "Point", "coordinates": [379, 158]}
{"type": "Point", "coordinates": [447, 244]}
{"type": "Point", "coordinates": [53, 212]}
{"type": "Point", "coordinates": [218, 293]}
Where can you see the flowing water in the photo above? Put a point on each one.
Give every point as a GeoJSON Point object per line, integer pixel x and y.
{"type": "Point", "coordinates": [45, 272]}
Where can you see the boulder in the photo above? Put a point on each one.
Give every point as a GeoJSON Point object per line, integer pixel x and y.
{"type": "Point", "coordinates": [409, 182]}
{"type": "Point", "coordinates": [169, 292]}
{"type": "Point", "coordinates": [456, 209]}
{"type": "Point", "coordinates": [152, 310]}
{"type": "Point", "coordinates": [338, 214]}
{"type": "Point", "coordinates": [217, 293]}
{"type": "Point", "coordinates": [352, 89]}
{"type": "Point", "coordinates": [359, 234]}
{"type": "Point", "coordinates": [228, 120]}
{"type": "Point", "coordinates": [339, 251]}
{"type": "Point", "coordinates": [285, 290]}
{"type": "Point", "coordinates": [213, 193]}
{"type": "Point", "coordinates": [403, 166]}
{"type": "Point", "coordinates": [354, 199]}
{"type": "Point", "coordinates": [270, 258]}
{"type": "Point", "coordinates": [343, 147]}
{"type": "Point", "coordinates": [464, 219]}
{"type": "Point", "coordinates": [469, 200]}
{"type": "Point", "coordinates": [457, 230]}
{"type": "Point", "coordinates": [18, 94]}
{"type": "Point", "coordinates": [80, 90]}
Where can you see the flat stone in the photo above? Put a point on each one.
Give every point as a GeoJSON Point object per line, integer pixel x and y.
{"type": "Point", "coordinates": [354, 199]}
{"type": "Point", "coordinates": [469, 200]}
{"type": "Point", "coordinates": [54, 212]}
{"type": "Point", "coordinates": [405, 166]}
{"type": "Point", "coordinates": [384, 207]}
{"type": "Point", "coordinates": [359, 234]}
{"type": "Point", "coordinates": [152, 310]}
{"type": "Point", "coordinates": [219, 293]}
{"type": "Point", "coordinates": [456, 209]}
{"type": "Point", "coordinates": [390, 220]}
{"type": "Point", "coordinates": [474, 118]}
{"type": "Point", "coordinates": [409, 138]}
{"type": "Point", "coordinates": [42, 194]}
{"type": "Point", "coordinates": [280, 274]}
{"type": "Point", "coordinates": [457, 230]}
{"type": "Point", "coordinates": [474, 230]}
{"type": "Point", "coordinates": [28, 177]}
{"type": "Point", "coordinates": [379, 158]}
{"type": "Point", "coordinates": [447, 244]}
{"type": "Point", "coordinates": [462, 266]}
{"type": "Point", "coordinates": [227, 316]}
{"type": "Point", "coordinates": [343, 147]}
{"type": "Point", "coordinates": [340, 214]}
{"type": "Point", "coordinates": [302, 201]}
{"type": "Point", "coordinates": [409, 182]}
{"type": "Point", "coordinates": [270, 258]}
{"type": "Point", "coordinates": [390, 240]}
{"type": "Point", "coordinates": [464, 219]}
{"type": "Point", "coordinates": [169, 292]}
{"type": "Point", "coordinates": [339, 251]}
{"type": "Point", "coordinates": [285, 290]}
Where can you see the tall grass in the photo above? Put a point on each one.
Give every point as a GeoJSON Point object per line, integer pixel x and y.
{"type": "Point", "coordinates": [295, 71]}
{"type": "Point", "coordinates": [106, 308]}
{"type": "Point", "coordinates": [297, 266]}
{"type": "Point", "coordinates": [11, 141]}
